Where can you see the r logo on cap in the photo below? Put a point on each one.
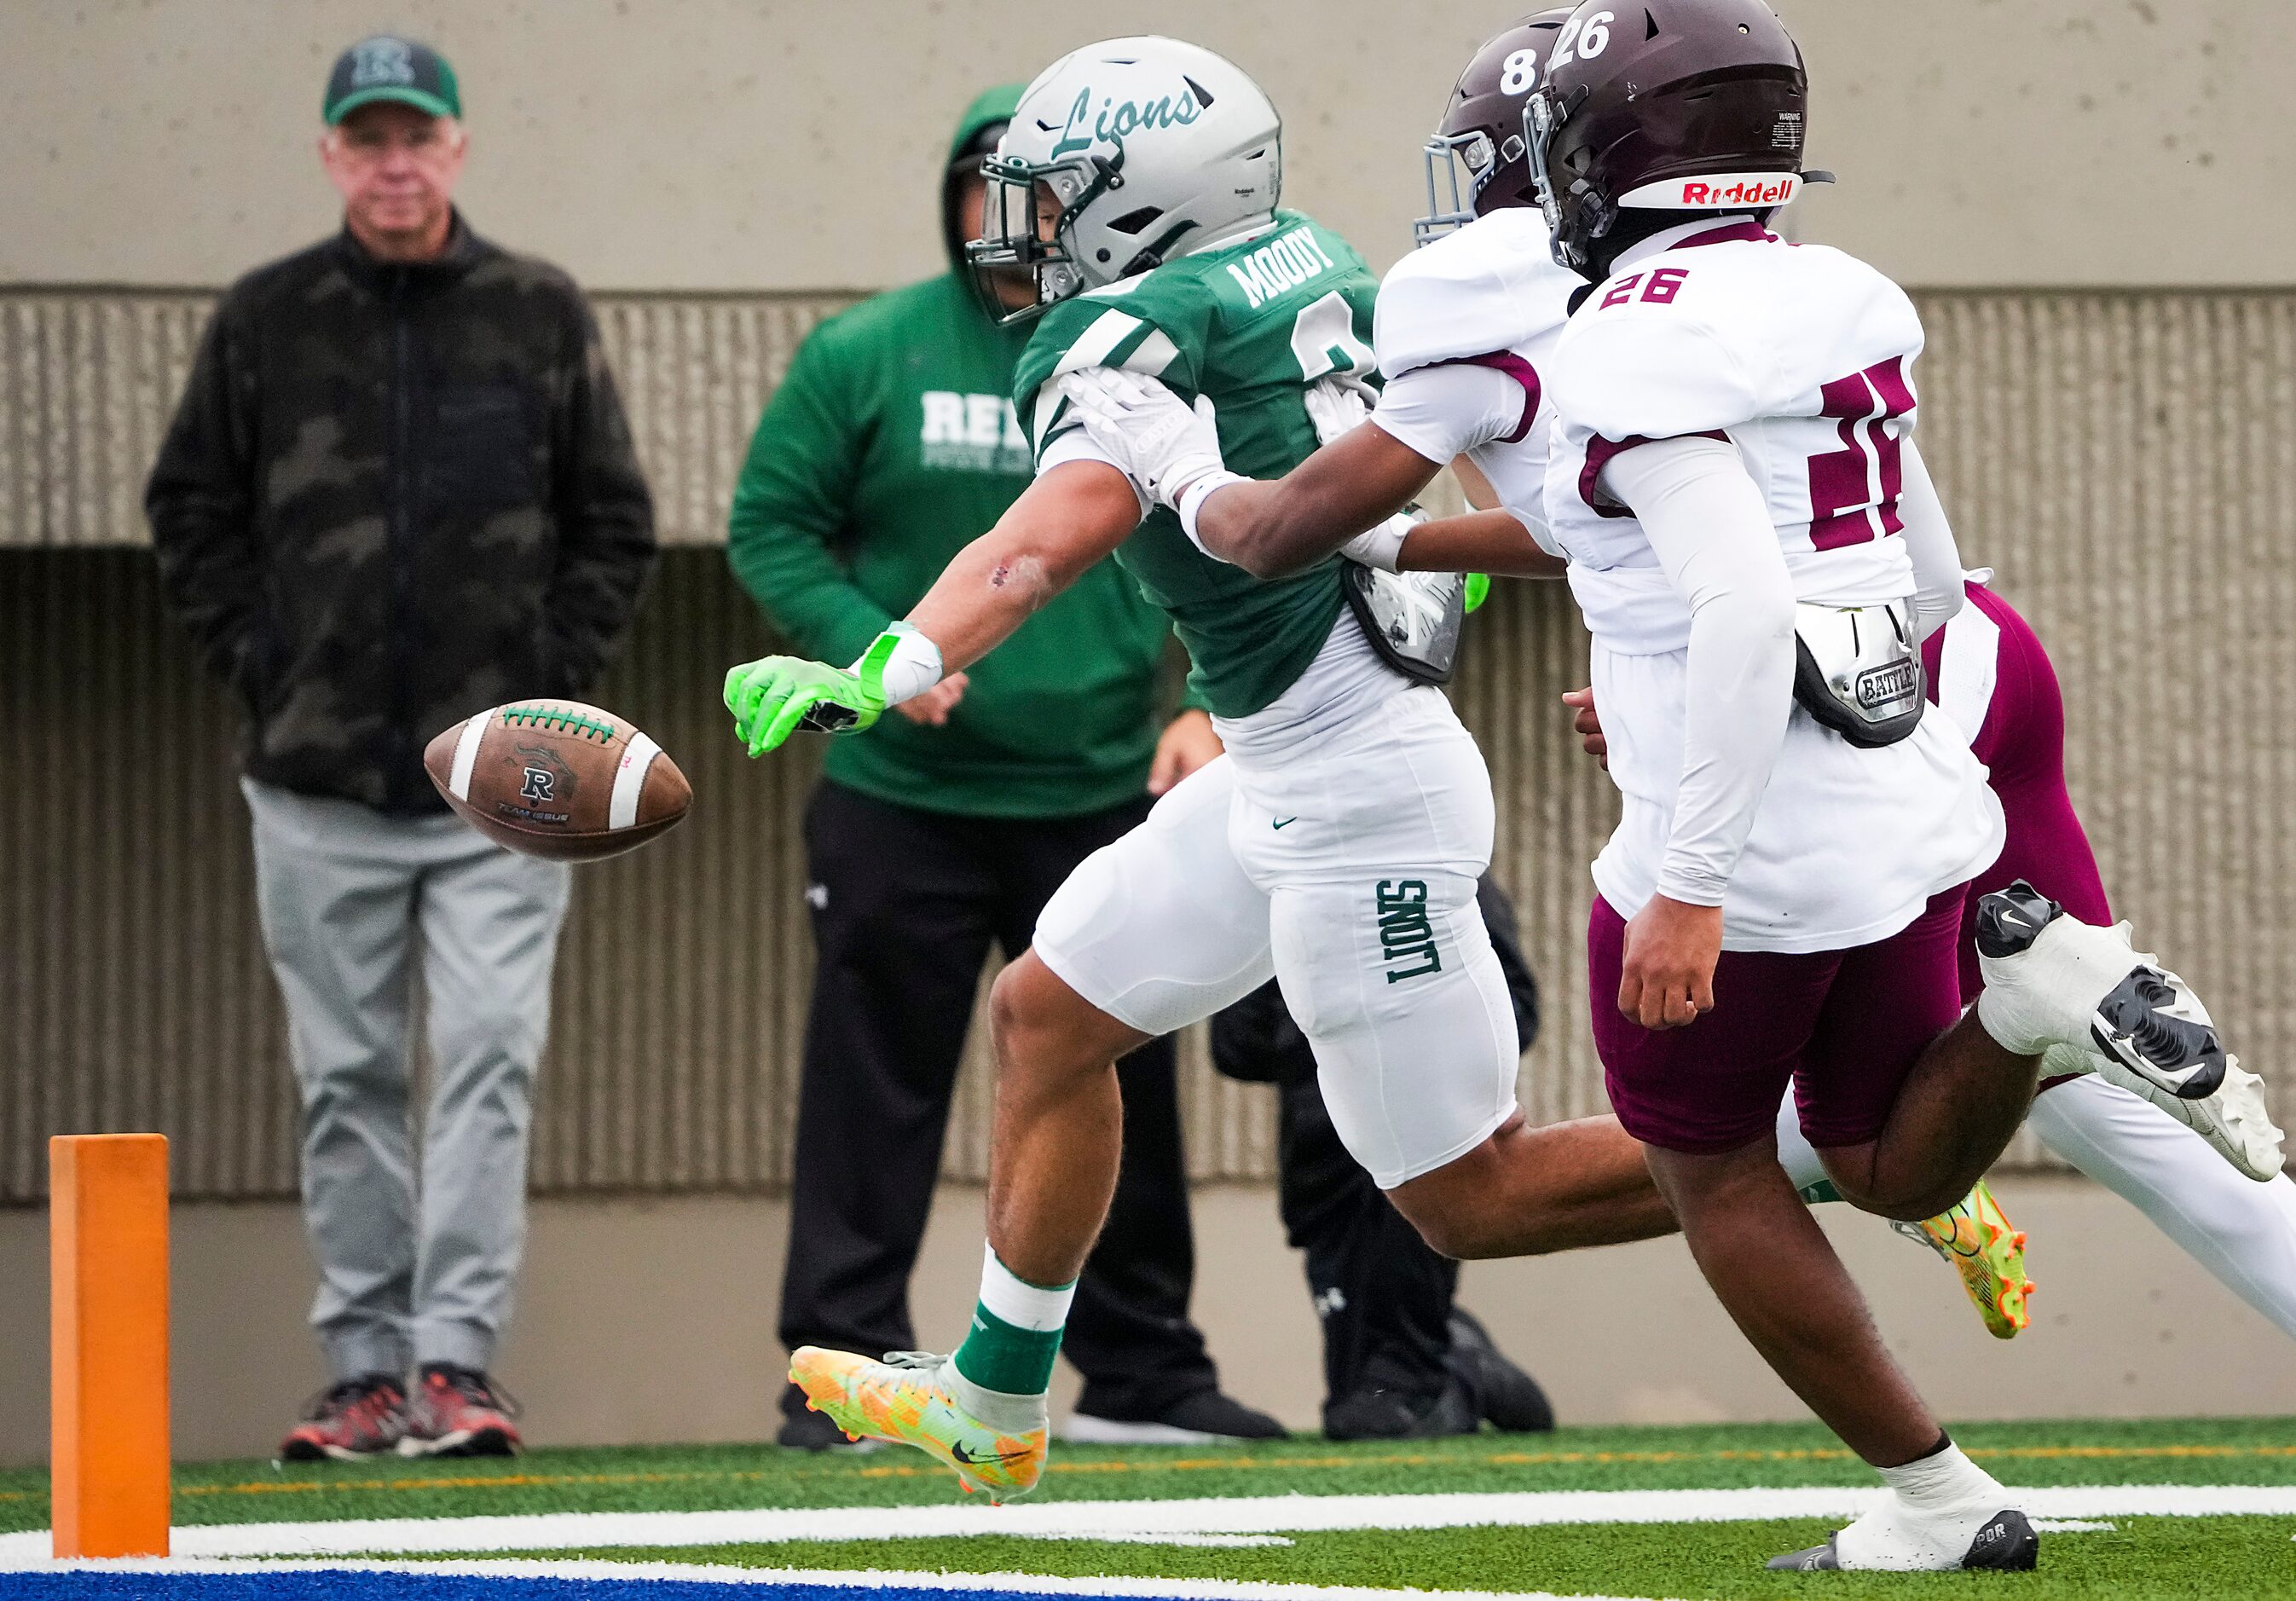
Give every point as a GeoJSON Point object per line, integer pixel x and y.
{"type": "Point", "coordinates": [386, 67]}
{"type": "Point", "coordinates": [378, 62]}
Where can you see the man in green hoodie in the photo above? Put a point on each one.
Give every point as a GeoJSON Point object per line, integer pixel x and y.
{"type": "Point", "coordinates": [890, 445]}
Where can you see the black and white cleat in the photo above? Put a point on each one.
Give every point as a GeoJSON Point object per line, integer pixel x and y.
{"type": "Point", "coordinates": [2052, 979]}
{"type": "Point", "coordinates": [2155, 1026]}
{"type": "Point", "coordinates": [2006, 1543]}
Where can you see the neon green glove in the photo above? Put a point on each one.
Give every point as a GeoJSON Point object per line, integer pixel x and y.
{"type": "Point", "coordinates": [1479, 590]}
{"type": "Point", "coordinates": [774, 697]}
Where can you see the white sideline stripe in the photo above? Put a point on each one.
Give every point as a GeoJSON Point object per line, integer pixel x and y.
{"type": "Point", "coordinates": [629, 780]}
{"type": "Point", "coordinates": [466, 753]}
{"type": "Point", "coordinates": [861, 1579]}
{"type": "Point", "coordinates": [1250, 1515]}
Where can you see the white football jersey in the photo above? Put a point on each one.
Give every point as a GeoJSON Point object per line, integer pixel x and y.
{"type": "Point", "coordinates": [1801, 356]}
{"type": "Point", "coordinates": [1460, 330]}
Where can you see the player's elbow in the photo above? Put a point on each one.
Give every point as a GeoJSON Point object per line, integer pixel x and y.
{"type": "Point", "coordinates": [1265, 562]}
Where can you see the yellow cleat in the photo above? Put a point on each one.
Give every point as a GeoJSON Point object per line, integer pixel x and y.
{"type": "Point", "coordinates": [911, 1398]}
{"type": "Point", "coordinates": [1976, 1237]}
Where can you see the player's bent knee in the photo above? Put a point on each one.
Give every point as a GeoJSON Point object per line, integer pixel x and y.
{"type": "Point", "coordinates": [1458, 1209]}
{"type": "Point", "coordinates": [1039, 1025]}
{"type": "Point", "coordinates": [1851, 1170]}
{"type": "Point", "coordinates": [1446, 1234]}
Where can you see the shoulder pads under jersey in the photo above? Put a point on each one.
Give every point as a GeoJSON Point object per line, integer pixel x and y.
{"type": "Point", "coordinates": [1492, 285]}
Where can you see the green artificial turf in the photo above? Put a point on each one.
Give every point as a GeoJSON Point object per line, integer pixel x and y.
{"type": "Point", "coordinates": [2220, 1558]}
{"type": "Point", "coordinates": [2193, 1452]}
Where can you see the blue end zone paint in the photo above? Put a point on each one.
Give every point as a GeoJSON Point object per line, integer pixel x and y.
{"type": "Point", "coordinates": [328, 1586]}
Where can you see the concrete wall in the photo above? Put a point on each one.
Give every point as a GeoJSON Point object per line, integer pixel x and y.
{"type": "Point", "coordinates": [2123, 1325]}
{"type": "Point", "coordinates": [722, 144]}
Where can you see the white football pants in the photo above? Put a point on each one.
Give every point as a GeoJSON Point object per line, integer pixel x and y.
{"type": "Point", "coordinates": [1347, 871]}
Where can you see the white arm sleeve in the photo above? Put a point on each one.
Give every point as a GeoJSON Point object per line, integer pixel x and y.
{"type": "Point", "coordinates": [1438, 412]}
{"type": "Point", "coordinates": [1938, 591]}
{"type": "Point", "coordinates": [1712, 534]}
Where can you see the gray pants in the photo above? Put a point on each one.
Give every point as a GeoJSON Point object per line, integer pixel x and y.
{"type": "Point", "coordinates": [407, 1277]}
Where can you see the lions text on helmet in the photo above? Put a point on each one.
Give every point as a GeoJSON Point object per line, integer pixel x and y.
{"type": "Point", "coordinates": [1672, 105]}
{"type": "Point", "coordinates": [1120, 156]}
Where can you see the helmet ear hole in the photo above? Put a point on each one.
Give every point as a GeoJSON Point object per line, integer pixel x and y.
{"type": "Point", "coordinates": [1132, 222]}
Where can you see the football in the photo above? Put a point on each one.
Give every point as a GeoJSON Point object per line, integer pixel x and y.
{"type": "Point", "coordinates": [558, 779]}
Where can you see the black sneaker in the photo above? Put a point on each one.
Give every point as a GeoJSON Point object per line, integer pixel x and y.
{"type": "Point", "coordinates": [1396, 1415]}
{"type": "Point", "coordinates": [1509, 1399]}
{"type": "Point", "coordinates": [365, 1416]}
{"type": "Point", "coordinates": [1204, 1419]}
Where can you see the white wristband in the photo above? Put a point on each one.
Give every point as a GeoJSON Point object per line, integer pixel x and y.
{"type": "Point", "coordinates": [912, 667]}
{"type": "Point", "coordinates": [1380, 545]}
{"type": "Point", "coordinates": [1192, 502]}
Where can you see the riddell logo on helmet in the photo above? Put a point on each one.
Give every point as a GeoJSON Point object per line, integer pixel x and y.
{"type": "Point", "coordinates": [1715, 192]}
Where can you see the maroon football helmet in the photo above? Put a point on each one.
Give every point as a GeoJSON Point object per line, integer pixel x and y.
{"type": "Point", "coordinates": [1676, 105]}
{"type": "Point", "coordinates": [1482, 129]}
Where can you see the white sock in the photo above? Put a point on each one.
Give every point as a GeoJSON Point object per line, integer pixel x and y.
{"type": "Point", "coordinates": [1934, 1510]}
{"type": "Point", "coordinates": [2048, 994]}
{"type": "Point", "coordinates": [1019, 1302]}
{"type": "Point", "coordinates": [1945, 1480]}
{"type": "Point", "coordinates": [2243, 1232]}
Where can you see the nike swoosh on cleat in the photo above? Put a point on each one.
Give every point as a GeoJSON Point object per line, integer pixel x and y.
{"type": "Point", "coordinates": [958, 1451]}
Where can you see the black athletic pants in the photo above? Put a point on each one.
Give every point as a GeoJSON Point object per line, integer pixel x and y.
{"type": "Point", "coordinates": [905, 904]}
{"type": "Point", "coordinates": [1382, 1295]}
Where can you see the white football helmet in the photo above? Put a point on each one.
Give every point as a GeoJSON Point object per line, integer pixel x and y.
{"type": "Point", "coordinates": [1120, 156]}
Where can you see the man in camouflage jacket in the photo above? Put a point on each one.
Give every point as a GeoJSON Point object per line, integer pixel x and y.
{"type": "Point", "coordinates": [399, 489]}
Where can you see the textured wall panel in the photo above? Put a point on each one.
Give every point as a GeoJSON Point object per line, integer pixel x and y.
{"type": "Point", "coordinates": [133, 988]}
{"type": "Point", "coordinates": [88, 381]}
{"type": "Point", "coordinates": [2123, 459]}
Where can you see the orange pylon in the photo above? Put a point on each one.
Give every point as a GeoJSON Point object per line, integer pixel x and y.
{"type": "Point", "coordinates": [108, 1243]}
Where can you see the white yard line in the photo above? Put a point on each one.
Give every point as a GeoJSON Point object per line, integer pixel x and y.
{"type": "Point", "coordinates": [866, 1579]}
{"type": "Point", "coordinates": [1136, 1521]}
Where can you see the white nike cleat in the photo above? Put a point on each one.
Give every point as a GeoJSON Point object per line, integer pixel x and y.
{"type": "Point", "coordinates": [2235, 1119]}
{"type": "Point", "coordinates": [2052, 979]}
{"type": "Point", "coordinates": [1895, 1537]}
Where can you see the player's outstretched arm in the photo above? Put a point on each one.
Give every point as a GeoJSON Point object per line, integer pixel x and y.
{"type": "Point", "coordinates": [1069, 518]}
{"type": "Point", "coordinates": [1072, 516]}
{"type": "Point", "coordinates": [1361, 479]}
{"type": "Point", "coordinates": [1347, 488]}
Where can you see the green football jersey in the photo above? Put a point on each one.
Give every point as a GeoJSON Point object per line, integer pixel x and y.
{"type": "Point", "coordinates": [1250, 325]}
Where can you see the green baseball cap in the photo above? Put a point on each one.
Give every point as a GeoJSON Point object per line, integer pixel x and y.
{"type": "Point", "coordinates": [386, 67]}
